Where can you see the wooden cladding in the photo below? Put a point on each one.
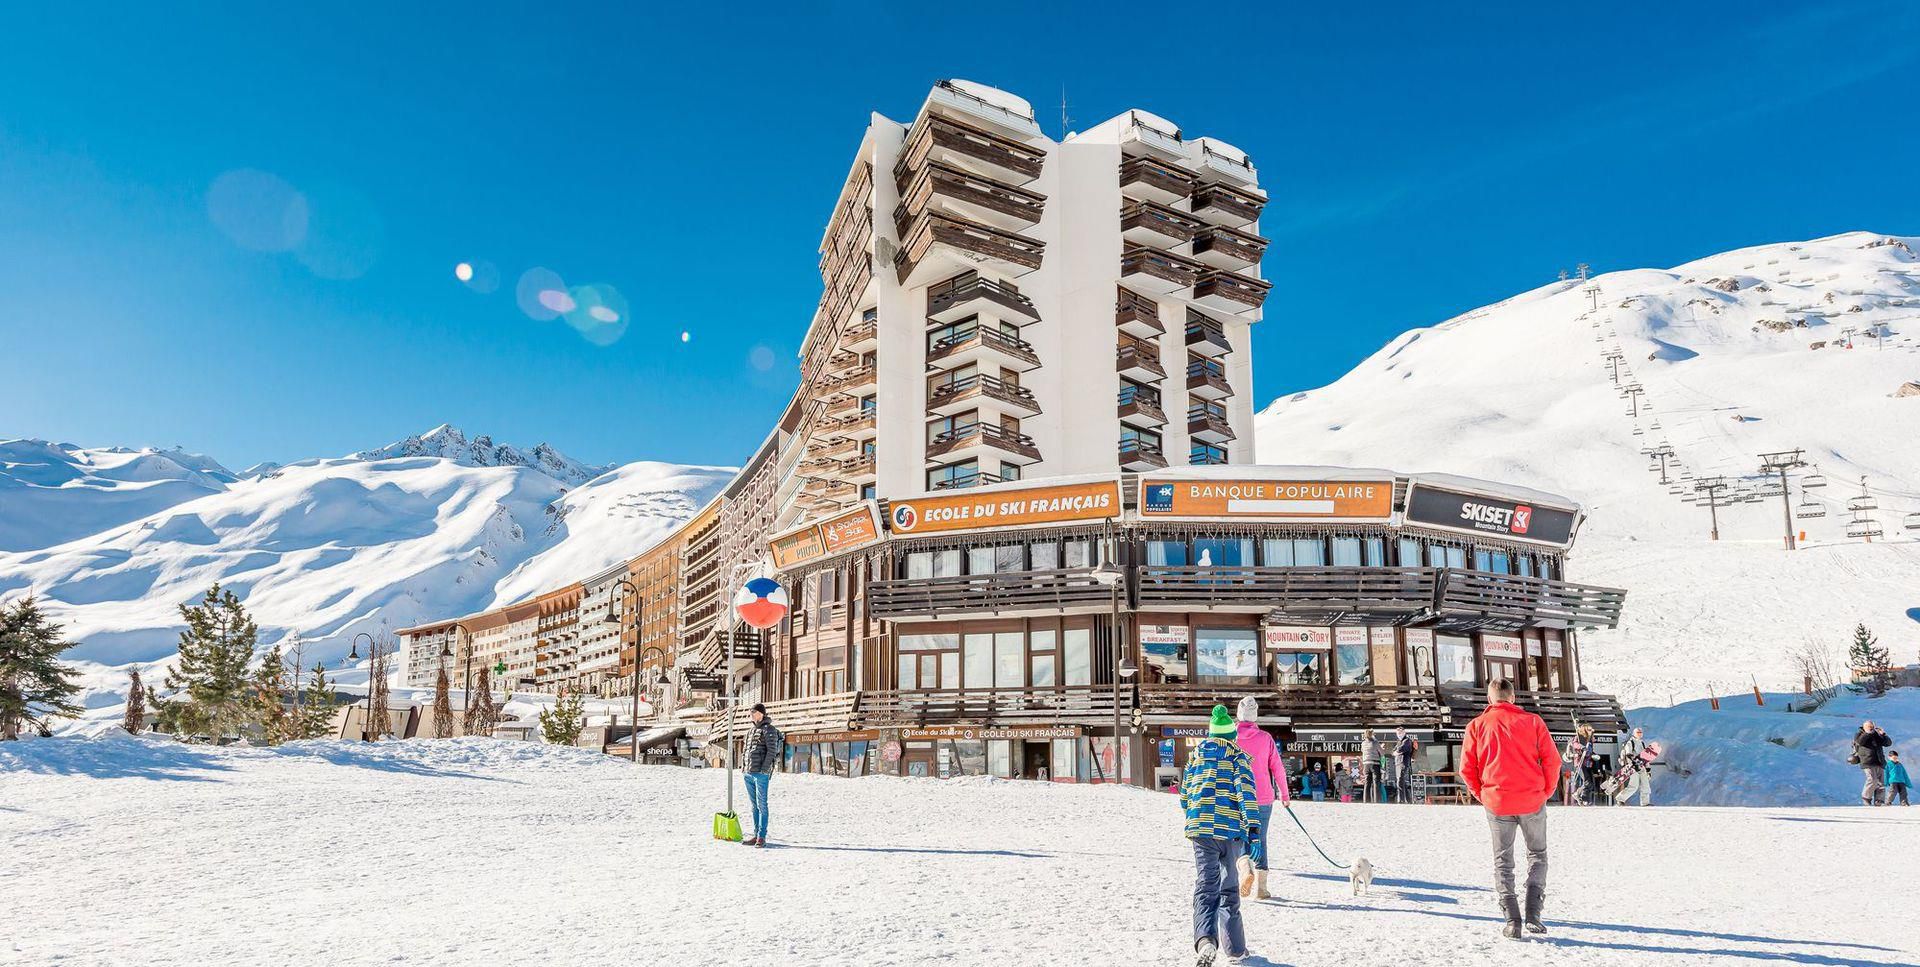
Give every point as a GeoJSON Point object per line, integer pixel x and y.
{"type": "Point", "coordinates": [1235, 290]}
{"type": "Point", "coordinates": [1176, 271]}
{"type": "Point", "coordinates": [1456, 600]}
{"type": "Point", "coordinates": [983, 434]}
{"type": "Point", "coordinates": [932, 227]}
{"type": "Point", "coordinates": [1160, 176]}
{"type": "Point", "coordinates": [1376, 705]}
{"type": "Point", "coordinates": [935, 135]}
{"type": "Point", "coordinates": [938, 179]}
{"type": "Point", "coordinates": [1006, 592]}
{"type": "Point", "coordinates": [1228, 204]}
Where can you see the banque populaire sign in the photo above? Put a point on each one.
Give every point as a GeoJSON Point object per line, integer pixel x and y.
{"type": "Point", "coordinates": [1481, 514]}
{"type": "Point", "coordinates": [1063, 503]}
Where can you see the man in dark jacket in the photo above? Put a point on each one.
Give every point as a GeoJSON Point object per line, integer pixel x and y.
{"type": "Point", "coordinates": [763, 756]}
{"type": "Point", "coordinates": [1870, 747]}
{"type": "Point", "coordinates": [1404, 747]}
{"type": "Point", "coordinates": [1511, 766]}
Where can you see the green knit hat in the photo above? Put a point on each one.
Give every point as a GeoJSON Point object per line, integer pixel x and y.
{"type": "Point", "coordinates": [1222, 724]}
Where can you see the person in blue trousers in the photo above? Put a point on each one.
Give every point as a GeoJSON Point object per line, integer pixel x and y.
{"type": "Point", "coordinates": [1218, 795]}
{"type": "Point", "coordinates": [763, 756]}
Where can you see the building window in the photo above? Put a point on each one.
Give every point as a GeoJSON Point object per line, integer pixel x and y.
{"type": "Point", "coordinates": [1300, 667]}
{"type": "Point", "coordinates": [870, 315]}
{"type": "Point", "coordinates": [966, 473]}
{"type": "Point", "coordinates": [1524, 564]}
{"type": "Point", "coordinates": [1206, 455]}
{"type": "Point", "coordinates": [935, 564]}
{"type": "Point", "coordinates": [1045, 555]}
{"type": "Point", "coordinates": [1454, 657]}
{"type": "Point", "coordinates": [1226, 552]}
{"type": "Point", "coordinates": [1077, 656]}
{"type": "Point", "coordinates": [1501, 563]}
{"type": "Point", "coordinates": [1008, 658]}
{"type": "Point", "coordinates": [1079, 553]}
{"type": "Point", "coordinates": [868, 404]}
{"type": "Point", "coordinates": [1167, 553]}
{"type": "Point", "coordinates": [1376, 548]}
{"type": "Point", "coordinates": [1009, 471]}
{"type": "Point", "coordinates": [1346, 552]}
{"type": "Point", "coordinates": [1410, 554]}
{"type": "Point", "coordinates": [1353, 664]}
{"type": "Point", "coordinates": [868, 492]}
{"type": "Point", "coordinates": [1298, 552]}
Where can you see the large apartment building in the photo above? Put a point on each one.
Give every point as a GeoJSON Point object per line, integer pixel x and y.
{"type": "Point", "coordinates": [1014, 503]}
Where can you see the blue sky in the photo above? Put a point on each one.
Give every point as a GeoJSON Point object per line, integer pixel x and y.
{"type": "Point", "coordinates": [156, 162]}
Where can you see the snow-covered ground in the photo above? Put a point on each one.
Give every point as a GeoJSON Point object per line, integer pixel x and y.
{"type": "Point", "coordinates": [122, 851]}
{"type": "Point", "coordinates": [1800, 345]}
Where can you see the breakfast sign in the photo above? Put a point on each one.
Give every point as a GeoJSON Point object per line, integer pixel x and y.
{"type": "Point", "coordinates": [1059, 504]}
{"type": "Point", "coordinates": [1210, 498]}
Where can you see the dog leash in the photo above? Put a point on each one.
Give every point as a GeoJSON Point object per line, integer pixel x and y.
{"type": "Point", "coordinates": [1316, 846]}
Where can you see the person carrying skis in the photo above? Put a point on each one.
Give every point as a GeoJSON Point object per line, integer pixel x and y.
{"type": "Point", "coordinates": [1269, 782]}
{"type": "Point", "coordinates": [1870, 754]}
{"type": "Point", "coordinates": [1636, 773]}
{"type": "Point", "coordinates": [1897, 781]}
{"type": "Point", "coordinates": [763, 756]}
{"type": "Point", "coordinates": [1218, 795]}
{"type": "Point", "coordinates": [1509, 763]}
{"type": "Point", "coordinates": [1404, 746]}
{"type": "Point", "coordinates": [1579, 751]}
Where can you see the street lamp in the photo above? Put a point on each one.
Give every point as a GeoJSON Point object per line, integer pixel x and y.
{"type": "Point", "coordinates": [353, 654]}
{"type": "Point", "coordinates": [1114, 576]}
{"type": "Point", "coordinates": [613, 617]}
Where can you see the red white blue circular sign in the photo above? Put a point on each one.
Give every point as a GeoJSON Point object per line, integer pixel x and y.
{"type": "Point", "coordinates": [761, 603]}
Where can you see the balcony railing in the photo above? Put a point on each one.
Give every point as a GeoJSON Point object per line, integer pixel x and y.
{"type": "Point", "coordinates": [1139, 360]}
{"type": "Point", "coordinates": [713, 651]}
{"type": "Point", "coordinates": [1237, 168]}
{"type": "Point", "coordinates": [1564, 711]}
{"type": "Point", "coordinates": [972, 478]}
{"type": "Point", "coordinates": [982, 199]}
{"type": "Point", "coordinates": [984, 338]}
{"type": "Point", "coordinates": [833, 712]}
{"type": "Point", "coordinates": [1137, 454]}
{"type": "Point", "coordinates": [982, 434]}
{"type": "Point", "coordinates": [1077, 705]}
{"type": "Point", "coordinates": [1228, 248]}
{"type": "Point", "coordinates": [1206, 378]}
{"type": "Point", "coordinates": [949, 394]}
{"type": "Point", "coordinates": [1137, 314]}
{"type": "Point", "coordinates": [1376, 705]}
{"type": "Point", "coordinates": [1451, 598]}
{"type": "Point", "coordinates": [1482, 600]}
{"type": "Point", "coordinates": [1205, 424]}
{"type": "Point", "coordinates": [1004, 592]}
{"type": "Point", "coordinates": [957, 297]}
{"type": "Point", "coordinates": [1141, 407]}
{"type": "Point", "coordinates": [1206, 336]}
{"type": "Point", "coordinates": [937, 137]}
{"type": "Point", "coordinates": [1014, 253]}
{"type": "Point", "coordinates": [1155, 224]}
{"type": "Point", "coordinates": [1221, 289]}
{"type": "Point", "coordinates": [1227, 205]}
{"type": "Point", "coordinates": [1157, 270]}
{"type": "Point", "coordinates": [1155, 180]}
{"type": "Point", "coordinates": [948, 93]}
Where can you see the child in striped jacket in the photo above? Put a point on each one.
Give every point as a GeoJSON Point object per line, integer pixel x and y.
{"type": "Point", "coordinates": [1217, 792]}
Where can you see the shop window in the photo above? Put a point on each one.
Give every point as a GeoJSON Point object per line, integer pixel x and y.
{"type": "Point", "coordinates": [1455, 660]}
{"type": "Point", "coordinates": [1167, 553]}
{"type": "Point", "coordinates": [1301, 552]}
{"type": "Point", "coordinates": [1525, 565]}
{"type": "Point", "coordinates": [1045, 556]}
{"type": "Point", "coordinates": [1065, 759]}
{"type": "Point", "coordinates": [1300, 667]}
{"type": "Point", "coordinates": [1376, 551]}
{"type": "Point", "coordinates": [980, 560]}
{"type": "Point", "coordinates": [1226, 654]}
{"type": "Point", "coordinates": [1223, 552]}
{"type": "Point", "coordinates": [909, 672]}
{"type": "Point", "coordinates": [1482, 560]}
{"type": "Point", "coordinates": [1008, 656]}
{"type": "Point", "coordinates": [979, 661]}
{"type": "Point", "coordinates": [1000, 758]}
{"type": "Point", "coordinates": [1077, 656]}
{"type": "Point", "coordinates": [1042, 668]}
{"type": "Point", "coordinates": [1549, 568]}
{"type": "Point", "coordinates": [1501, 563]}
{"type": "Point", "coordinates": [1409, 552]}
{"type": "Point", "coordinates": [1010, 557]}
{"type": "Point", "coordinates": [1346, 552]}
{"type": "Point", "coordinates": [1078, 553]}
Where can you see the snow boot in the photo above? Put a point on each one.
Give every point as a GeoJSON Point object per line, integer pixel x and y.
{"type": "Point", "coordinates": [1246, 876]}
{"type": "Point", "coordinates": [1260, 885]}
{"type": "Point", "coordinates": [750, 841]}
{"type": "Point", "coordinates": [1206, 950]}
{"type": "Point", "coordinates": [1535, 900]}
{"type": "Point", "coordinates": [1511, 929]}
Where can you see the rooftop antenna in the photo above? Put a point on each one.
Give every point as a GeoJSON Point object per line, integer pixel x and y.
{"type": "Point", "coordinates": [1780, 463]}
{"type": "Point", "coordinates": [1064, 119]}
{"type": "Point", "coordinates": [1713, 487]}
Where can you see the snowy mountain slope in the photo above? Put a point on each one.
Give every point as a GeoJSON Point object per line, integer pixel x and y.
{"type": "Point", "coordinates": [331, 547]}
{"type": "Point", "coordinates": [448, 442]}
{"type": "Point", "coordinates": [51, 493]}
{"type": "Point", "coordinates": [1523, 391]}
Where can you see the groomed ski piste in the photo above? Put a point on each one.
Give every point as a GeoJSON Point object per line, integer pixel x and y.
{"type": "Point", "coordinates": [124, 850]}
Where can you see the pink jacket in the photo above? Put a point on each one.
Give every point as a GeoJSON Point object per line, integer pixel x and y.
{"type": "Point", "coordinates": [1269, 773]}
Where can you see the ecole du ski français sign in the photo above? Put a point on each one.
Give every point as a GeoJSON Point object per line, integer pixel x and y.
{"type": "Point", "coordinates": [1099, 500]}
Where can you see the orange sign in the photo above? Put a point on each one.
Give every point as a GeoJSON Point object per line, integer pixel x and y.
{"type": "Point", "coordinates": [855, 528]}
{"type": "Point", "coordinates": [1271, 499]}
{"type": "Point", "coordinates": [795, 547]}
{"type": "Point", "coordinates": [1098, 500]}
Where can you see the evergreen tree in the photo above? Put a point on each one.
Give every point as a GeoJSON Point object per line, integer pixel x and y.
{"type": "Point", "coordinates": [317, 705]}
{"type": "Point", "coordinates": [442, 705]}
{"type": "Point", "coordinates": [278, 723]}
{"type": "Point", "coordinates": [481, 716]}
{"type": "Point", "coordinates": [1866, 655]}
{"type": "Point", "coordinates": [136, 718]}
{"type": "Point", "coordinates": [34, 684]}
{"type": "Point", "coordinates": [215, 651]}
{"type": "Point", "coordinates": [563, 723]}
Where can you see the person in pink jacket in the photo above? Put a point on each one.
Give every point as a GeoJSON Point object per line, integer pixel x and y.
{"type": "Point", "coordinates": [1269, 780]}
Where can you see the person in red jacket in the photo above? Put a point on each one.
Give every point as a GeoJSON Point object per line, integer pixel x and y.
{"type": "Point", "coordinates": [1510, 764]}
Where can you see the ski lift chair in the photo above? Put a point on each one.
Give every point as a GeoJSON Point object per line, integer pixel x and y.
{"type": "Point", "coordinates": [1913, 522]}
{"type": "Point", "coordinates": [1814, 479]}
{"type": "Point", "coordinates": [1808, 510]}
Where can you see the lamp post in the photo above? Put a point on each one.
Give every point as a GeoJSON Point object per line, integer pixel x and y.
{"type": "Point", "coordinates": [353, 654]}
{"type": "Point", "coordinates": [1113, 576]}
{"type": "Point", "coordinates": [613, 617]}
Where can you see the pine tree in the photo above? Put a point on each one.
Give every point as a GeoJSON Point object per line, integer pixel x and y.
{"type": "Point", "coordinates": [34, 684]}
{"type": "Point", "coordinates": [442, 705]}
{"type": "Point", "coordinates": [135, 721]}
{"type": "Point", "coordinates": [317, 705]}
{"type": "Point", "coordinates": [563, 723]}
{"type": "Point", "coordinates": [215, 651]}
{"type": "Point", "coordinates": [1866, 655]}
{"type": "Point", "coordinates": [277, 722]}
{"type": "Point", "coordinates": [481, 716]}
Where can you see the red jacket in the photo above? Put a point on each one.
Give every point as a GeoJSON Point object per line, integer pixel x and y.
{"type": "Point", "coordinates": [1510, 763]}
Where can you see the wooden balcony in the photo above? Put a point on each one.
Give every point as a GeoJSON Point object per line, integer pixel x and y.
{"type": "Point", "coordinates": [1157, 271]}
{"type": "Point", "coordinates": [1008, 592]}
{"type": "Point", "coordinates": [1206, 425]}
{"type": "Point", "coordinates": [1137, 455]}
{"type": "Point", "coordinates": [1311, 595]}
{"type": "Point", "coordinates": [1228, 248]}
{"type": "Point", "coordinates": [978, 439]}
{"type": "Point", "coordinates": [1483, 601]}
{"type": "Point", "coordinates": [702, 680]}
{"type": "Point", "coordinates": [713, 650]}
{"type": "Point", "coordinates": [833, 712]}
{"type": "Point", "coordinates": [858, 424]}
{"type": "Point", "coordinates": [1227, 205]}
{"type": "Point", "coordinates": [1206, 335]}
{"type": "Point", "coordinates": [1207, 380]}
{"type": "Point", "coordinates": [860, 336]}
{"type": "Point", "coordinates": [969, 196]}
{"type": "Point", "coordinates": [976, 478]}
{"type": "Point", "coordinates": [1137, 315]}
{"type": "Point", "coordinates": [971, 294]}
{"type": "Point", "coordinates": [1148, 179]}
{"type": "Point", "coordinates": [947, 140]}
{"type": "Point", "coordinates": [968, 242]}
{"type": "Point", "coordinates": [1230, 291]}
{"type": "Point", "coordinates": [1564, 711]}
{"type": "Point", "coordinates": [1139, 361]}
{"type": "Point", "coordinates": [948, 398]}
{"type": "Point", "coordinates": [984, 344]}
{"type": "Point", "coordinates": [1150, 223]}
{"type": "Point", "coordinates": [1141, 407]}
{"type": "Point", "coordinates": [1074, 705]}
{"type": "Point", "coordinates": [1376, 706]}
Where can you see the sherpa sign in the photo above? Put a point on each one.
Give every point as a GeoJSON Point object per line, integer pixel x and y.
{"type": "Point", "coordinates": [1480, 514]}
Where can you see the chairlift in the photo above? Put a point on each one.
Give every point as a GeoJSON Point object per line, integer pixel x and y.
{"type": "Point", "coordinates": [1808, 510]}
{"type": "Point", "coordinates": [1913, 522]}
{"type": "Point", "coordinates": [1637, 431]}
{"type": "Point", "coordinates": [1863, 528]}
{"type": "Point", "coordinates": [1814, 479]}
{"type": "Point", "coordinates": [1862, 502]}
{"type": "Point", "coordinates": [1655, 425]}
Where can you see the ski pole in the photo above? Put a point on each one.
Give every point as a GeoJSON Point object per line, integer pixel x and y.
{"type": "Point", "coordinates": [1316, 846]}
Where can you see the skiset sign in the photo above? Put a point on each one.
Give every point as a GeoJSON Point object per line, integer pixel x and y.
{"type": "Point", "coordinates": [1481, 514]}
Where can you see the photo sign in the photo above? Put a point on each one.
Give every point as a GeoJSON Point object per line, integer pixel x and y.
{"type": "Point", "coordinates": [1098, 500]}
{"type": "Point", "coordinates": [1178, 498]}
{"type": "Point", "coordinates": [1479, 514]}
{"type": "Point", "coordinates": [848, 531]}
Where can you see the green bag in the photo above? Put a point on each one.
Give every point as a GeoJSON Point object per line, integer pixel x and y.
{"type": "Point", "coordinates": [726, 826]}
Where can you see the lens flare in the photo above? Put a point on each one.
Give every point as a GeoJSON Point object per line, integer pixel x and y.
{"type": "Point", "coordinates": [482, 276]}
{"type": "Point", "coordinates": [531, 293]}
{"type": "Point", "coordinates": [598, 313]}
{"type": "Point", "coordinates": [463, 272]}
{"type": "Point", "coordinates": [686, 336]}
{"type": "Point", "coordinates": [259, 211]}
{"type": "Point", "coordinates": [761, 358]}
{"type": "Point", "coordinates": [556, 300]}
{"type": "Point", "coordinates": [345, 233]}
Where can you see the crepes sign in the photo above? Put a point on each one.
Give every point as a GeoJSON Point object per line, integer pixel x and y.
{"type": "Point", "coordinates": [1481, 514]}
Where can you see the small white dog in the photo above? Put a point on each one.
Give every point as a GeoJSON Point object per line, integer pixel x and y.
{"type": "Point", "coordinates": [1362, 876]}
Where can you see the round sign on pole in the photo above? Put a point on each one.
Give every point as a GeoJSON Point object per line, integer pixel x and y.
{"type": "Point", "coordinates": [761, 603]}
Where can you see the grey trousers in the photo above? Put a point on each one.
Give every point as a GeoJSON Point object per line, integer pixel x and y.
{"type": "Point", "coordinates": [1533, 829]}
{"type": "Point", "coordinates": [1876, 783]}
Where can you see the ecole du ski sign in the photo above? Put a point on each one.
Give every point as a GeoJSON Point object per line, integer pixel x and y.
{"type": "Point", "coordinates": [1098, 500]}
